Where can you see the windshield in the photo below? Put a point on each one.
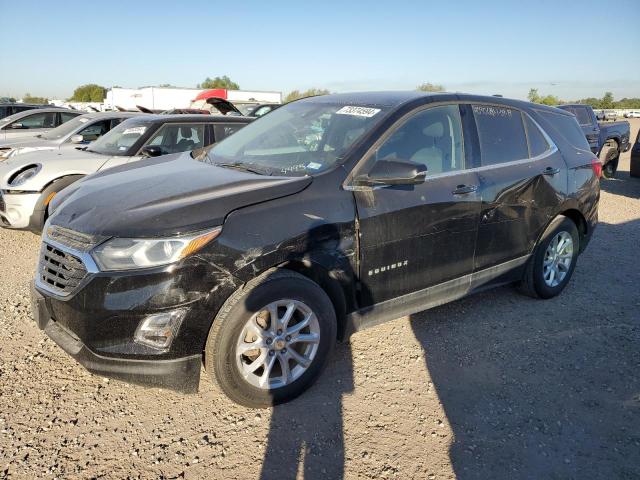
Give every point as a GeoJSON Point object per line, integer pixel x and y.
{"type": "Point", "coordinates": [65, 129]}
{"type": "Point", "coordinates": [298, 139]}
{"type": "Point", "coordinates": [119, 140]}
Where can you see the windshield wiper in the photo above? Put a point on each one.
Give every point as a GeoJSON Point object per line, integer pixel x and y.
{"type": "Point", "coordinates": [242, 166]}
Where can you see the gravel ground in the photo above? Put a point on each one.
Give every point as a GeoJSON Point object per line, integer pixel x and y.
{"type": "Point", "coordinates": [493, 386]}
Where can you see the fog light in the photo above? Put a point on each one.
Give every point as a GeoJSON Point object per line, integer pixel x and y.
{"type": "Point", "coordinates": [158, 330]}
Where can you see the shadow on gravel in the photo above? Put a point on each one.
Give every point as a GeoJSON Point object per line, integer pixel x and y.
{"type": "Point", "coordinates": [623, 184]}
{"type": "Point", "coordinates": [307, 433]}
{"type": "Point", "coordinates": [545, 389]}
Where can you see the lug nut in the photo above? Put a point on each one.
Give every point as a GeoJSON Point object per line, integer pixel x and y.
{"type": "Point", "coordinates": [269, 341]}
{"type": "Point", "coordinates": [284, 350]}
{"type": "Point", "coordinates": [288, 338]}
{"type": "Point", "coordinates": [271, 353]}
{"type": "Point", "coordinates": [279, 332]}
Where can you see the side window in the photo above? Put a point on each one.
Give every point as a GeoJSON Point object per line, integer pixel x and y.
{"type": "Point", "coordinates": [537, 143]}
{"type": "Point", "coordinates": [432, 137]}
{"type": "Point", "coordinates": [568, 127]}
{"type": "Point", "coordinates": [174, 138]}
{"type": "Point", "coordinates": [222, 130]}
{"type": "Point", "coordinates": [95, 130]}
{"type": "Point", "coordinates": [37, 120]}
{"type": "Point", "coordinates": [582, 114]}
{"type": "Point", "coordinates": [65, 117]}
{"type": "Point", "coordinates": [501, 134]}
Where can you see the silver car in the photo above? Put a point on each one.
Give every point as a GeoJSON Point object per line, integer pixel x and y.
{"type": "Point", "coordinates": [80, 130]}
{"type": "Point", "coordinates": [28, 182]}
{"type": "Point", "coordinates": [34, 122]}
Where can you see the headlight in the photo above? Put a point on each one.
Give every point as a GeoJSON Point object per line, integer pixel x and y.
{"type": "Point", "coordinates": [133, 253]}
{"type": "Point", "coordinates": [27, 173]}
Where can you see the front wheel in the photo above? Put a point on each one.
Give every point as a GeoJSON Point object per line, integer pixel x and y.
{"type": "Point", "coordinates": [553, 261]}
{"type": "Point", "coordinates": [271, 339]}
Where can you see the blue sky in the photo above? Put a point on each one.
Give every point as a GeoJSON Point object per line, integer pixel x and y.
{"type": "Point", "coordinates": [572, 49]}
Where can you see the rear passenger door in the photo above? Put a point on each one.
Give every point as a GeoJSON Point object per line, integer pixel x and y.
{"type": "Point", "coordinates": [522, 181]}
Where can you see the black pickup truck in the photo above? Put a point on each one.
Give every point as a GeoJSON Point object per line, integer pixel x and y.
{"type": "Point", "coordinates": [607, 140]}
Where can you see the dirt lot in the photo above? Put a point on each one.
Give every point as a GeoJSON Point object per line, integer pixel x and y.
{"type": "Point", "coordinates": [493, 386]}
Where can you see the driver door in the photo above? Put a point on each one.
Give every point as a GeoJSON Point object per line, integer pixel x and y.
{"type": "Point", "coordinates": [417, 236]}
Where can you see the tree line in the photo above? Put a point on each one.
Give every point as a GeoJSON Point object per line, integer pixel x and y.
{"type": "Point", "coordinates": [96, 93]}
{"type": "Point", "coordinates": [606, 102]}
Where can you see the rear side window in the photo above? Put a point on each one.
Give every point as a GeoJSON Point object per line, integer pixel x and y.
{"type": "Point", "coordinates": [223, 130]}
{"type": "Point", "coordinates": [581, 113]}
{"type": "Point", "coordinates": [537, 142]}
{"type": "Point", "coordinates": [65, 117]}
{"type": "Point", "coordinates": [568, 127]}
{"type": "Point", "coordinates": [501, 134]}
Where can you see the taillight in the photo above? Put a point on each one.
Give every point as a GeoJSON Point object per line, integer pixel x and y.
{"type": "Point", "coordinates": [597, 167]}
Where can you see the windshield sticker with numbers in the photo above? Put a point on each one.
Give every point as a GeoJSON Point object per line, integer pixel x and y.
{"type": "Point", "coordinates": [358, 111]}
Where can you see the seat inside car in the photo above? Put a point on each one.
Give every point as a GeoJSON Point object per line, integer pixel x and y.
{"type": "Point", "coordinates": [186, 142]}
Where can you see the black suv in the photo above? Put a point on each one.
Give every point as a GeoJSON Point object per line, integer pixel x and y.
{"type": "Point", "coordinates": [329, 214]}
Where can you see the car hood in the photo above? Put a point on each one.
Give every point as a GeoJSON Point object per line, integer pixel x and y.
{"type": "Point", "coordinates": [28, 142]}
{"type": "Point", "coordinates": [55, 164]}
{"type": "Point", "coordinates": [164, 196]}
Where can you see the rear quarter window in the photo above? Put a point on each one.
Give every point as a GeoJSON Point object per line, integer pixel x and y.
{"type": "Point", "coordinates": [538, 144]}
{"type": "Point", "coordinates": [567, 126]}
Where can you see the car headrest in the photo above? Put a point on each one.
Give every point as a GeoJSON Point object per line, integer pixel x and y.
{"type": "Point", "coordinates": [185, 132]}
{"type": "Point", "coordinates": [434, 130]}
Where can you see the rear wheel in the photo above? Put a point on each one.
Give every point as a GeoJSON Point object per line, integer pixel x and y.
{"type": "Point", "coordinates": [609, 156]}
{"type": "Point", "coordinates": [553, 261]}
{"type": "Point", "coordinates": [271, 339]}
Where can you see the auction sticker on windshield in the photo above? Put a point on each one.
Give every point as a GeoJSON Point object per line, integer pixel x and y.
{"type": "Point", "coordinates": [358, 111]}
{"type": "Point", "coordinates": [138, 130]}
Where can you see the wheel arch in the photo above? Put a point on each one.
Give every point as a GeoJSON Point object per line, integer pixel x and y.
{"type": "Point", "coordinates": [328, 281]}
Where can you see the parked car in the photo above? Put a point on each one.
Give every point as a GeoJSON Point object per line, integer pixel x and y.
{"type": "Point", "coordinates": [81, 130]}
{"type": "Point", "coordinates": [635, 158]}
{"type": "Point", "coordinates": [328, 215]}
{"type": "Point", "coordinates": [607, 141]}
{"type": "Point", "coordinates": [609, 115]}
{"type": "Point", "coordinates": [30, 181]}
{"type": "Point", "coordinates": [634, 114]}
{"type": "Point", "coordinates": [8, 109]}
{"type": "Point", "coordinates": [30, 123]}
{"type": "Point", "coordinates": [259, 109]}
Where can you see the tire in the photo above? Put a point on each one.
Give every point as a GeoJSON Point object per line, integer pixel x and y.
{"type": "Point", "coordinates": [245, 310]}
{"type": "Point", "coordinates": [535, 281]}
{"type": "Point", "coordinates": [41, 210]}
{"type": "Point", "coordinates": [609, 156]}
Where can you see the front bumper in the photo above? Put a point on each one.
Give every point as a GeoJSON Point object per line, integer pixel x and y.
{"type": "Point", "coordinates": [179, 374]}
{"type": "Point", "coordinates": [96, 322]}
{"type": "Point", "coordinates": [18, 210]}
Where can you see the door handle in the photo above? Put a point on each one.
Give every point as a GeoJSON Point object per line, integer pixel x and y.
{"type": "Point", "coordinates": [464, 189]}
{"type": "Point", "coordinates": [550, 171]}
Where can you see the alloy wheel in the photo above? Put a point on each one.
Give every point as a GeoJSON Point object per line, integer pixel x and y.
{"type": "Point", "coordinates": [278, 344]}
{"type": "Point", "coordinates": [557, 259]}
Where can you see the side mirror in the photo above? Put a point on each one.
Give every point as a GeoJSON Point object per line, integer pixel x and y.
{"type": "Point", "coordinates": [16, 126]}
{"type": "Point", "coordinates": [77, 139]}
{"type": "Point", "coordinates": [151, 151]}
{"type": "Point", "coordinates": [394, 172]}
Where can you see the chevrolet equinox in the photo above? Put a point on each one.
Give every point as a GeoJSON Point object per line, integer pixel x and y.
{"type": "Point", "coordinates": [328, 215]}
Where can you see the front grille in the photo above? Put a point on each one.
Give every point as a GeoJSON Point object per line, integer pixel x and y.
{"type": "Point", "coordinates": [60, 271]}
{"type": "Point", "coordinates": [75, 240]}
